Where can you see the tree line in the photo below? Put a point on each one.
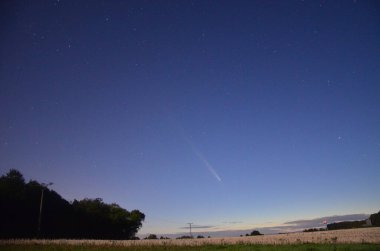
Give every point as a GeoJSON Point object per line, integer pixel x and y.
{"type": "Point", "coordinates": [84, 219]}
{"type": "Point", "coordinates": [374, 220]}
{"type": "Point", "coordinates": [253, 233]}
{"type": "Point", "coordinates": [314, 230]}
{"type": "Point", "coordinates": [346, 225]}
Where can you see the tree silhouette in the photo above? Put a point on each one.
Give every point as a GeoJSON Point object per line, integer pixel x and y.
{"type": "Point", "coordinates": [375, 219]}
{"type": "Point", "coordinates": [151, 237]}
{"type": "Point", "coordinates": [88, 218]}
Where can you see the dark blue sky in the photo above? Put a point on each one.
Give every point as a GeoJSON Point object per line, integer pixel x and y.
{"type": "Point", "coordinates": [228, 114]}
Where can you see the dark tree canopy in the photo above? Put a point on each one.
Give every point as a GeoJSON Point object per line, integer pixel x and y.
{"type": "Point", "coordinates": [88, 218]}
{"type": "Point", "coordinates": [375, 219]}
{"type": "Point", "coordinates": [151, 237]}
{"type": "Point", "coordinates": [255, 232]}
{"type": "Point", "coordinates": [346, 225]}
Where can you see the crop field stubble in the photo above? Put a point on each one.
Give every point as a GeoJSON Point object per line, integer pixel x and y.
{"type": "Point", "coordinates": [237, 247]}
{"type": "Point", "coordinates": [351, 239]}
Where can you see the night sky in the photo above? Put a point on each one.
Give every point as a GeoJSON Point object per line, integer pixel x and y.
{"type": "Point", "coordinates": [227, 114]}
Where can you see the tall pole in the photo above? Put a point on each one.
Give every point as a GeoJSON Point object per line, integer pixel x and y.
{"type": "Point", "coordinates": [44, 186]}
{"type": "Point", "coordinates": [39, 217]}
{"type": "Point", "coordinates": [190, 230]}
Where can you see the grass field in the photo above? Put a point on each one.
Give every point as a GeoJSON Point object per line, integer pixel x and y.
{"type": "Point", "coordinates": [238, 247]}
{"type": "Point", "coordinates": [350, 240]}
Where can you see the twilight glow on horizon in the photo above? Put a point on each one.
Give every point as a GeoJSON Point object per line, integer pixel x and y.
{"type": "Point", "coordinates": [228, 114]}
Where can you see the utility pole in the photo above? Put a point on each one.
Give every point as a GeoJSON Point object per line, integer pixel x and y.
{"type": "Point", "coordinates": [44, 186]}
{"type": "Point", "coordinates": [190, 229]}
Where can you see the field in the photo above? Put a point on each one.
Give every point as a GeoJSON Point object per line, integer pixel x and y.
{"type": "Point", "coordinates": [352, 239]}
{"type": "Point", "coordinates": [238, 247]}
